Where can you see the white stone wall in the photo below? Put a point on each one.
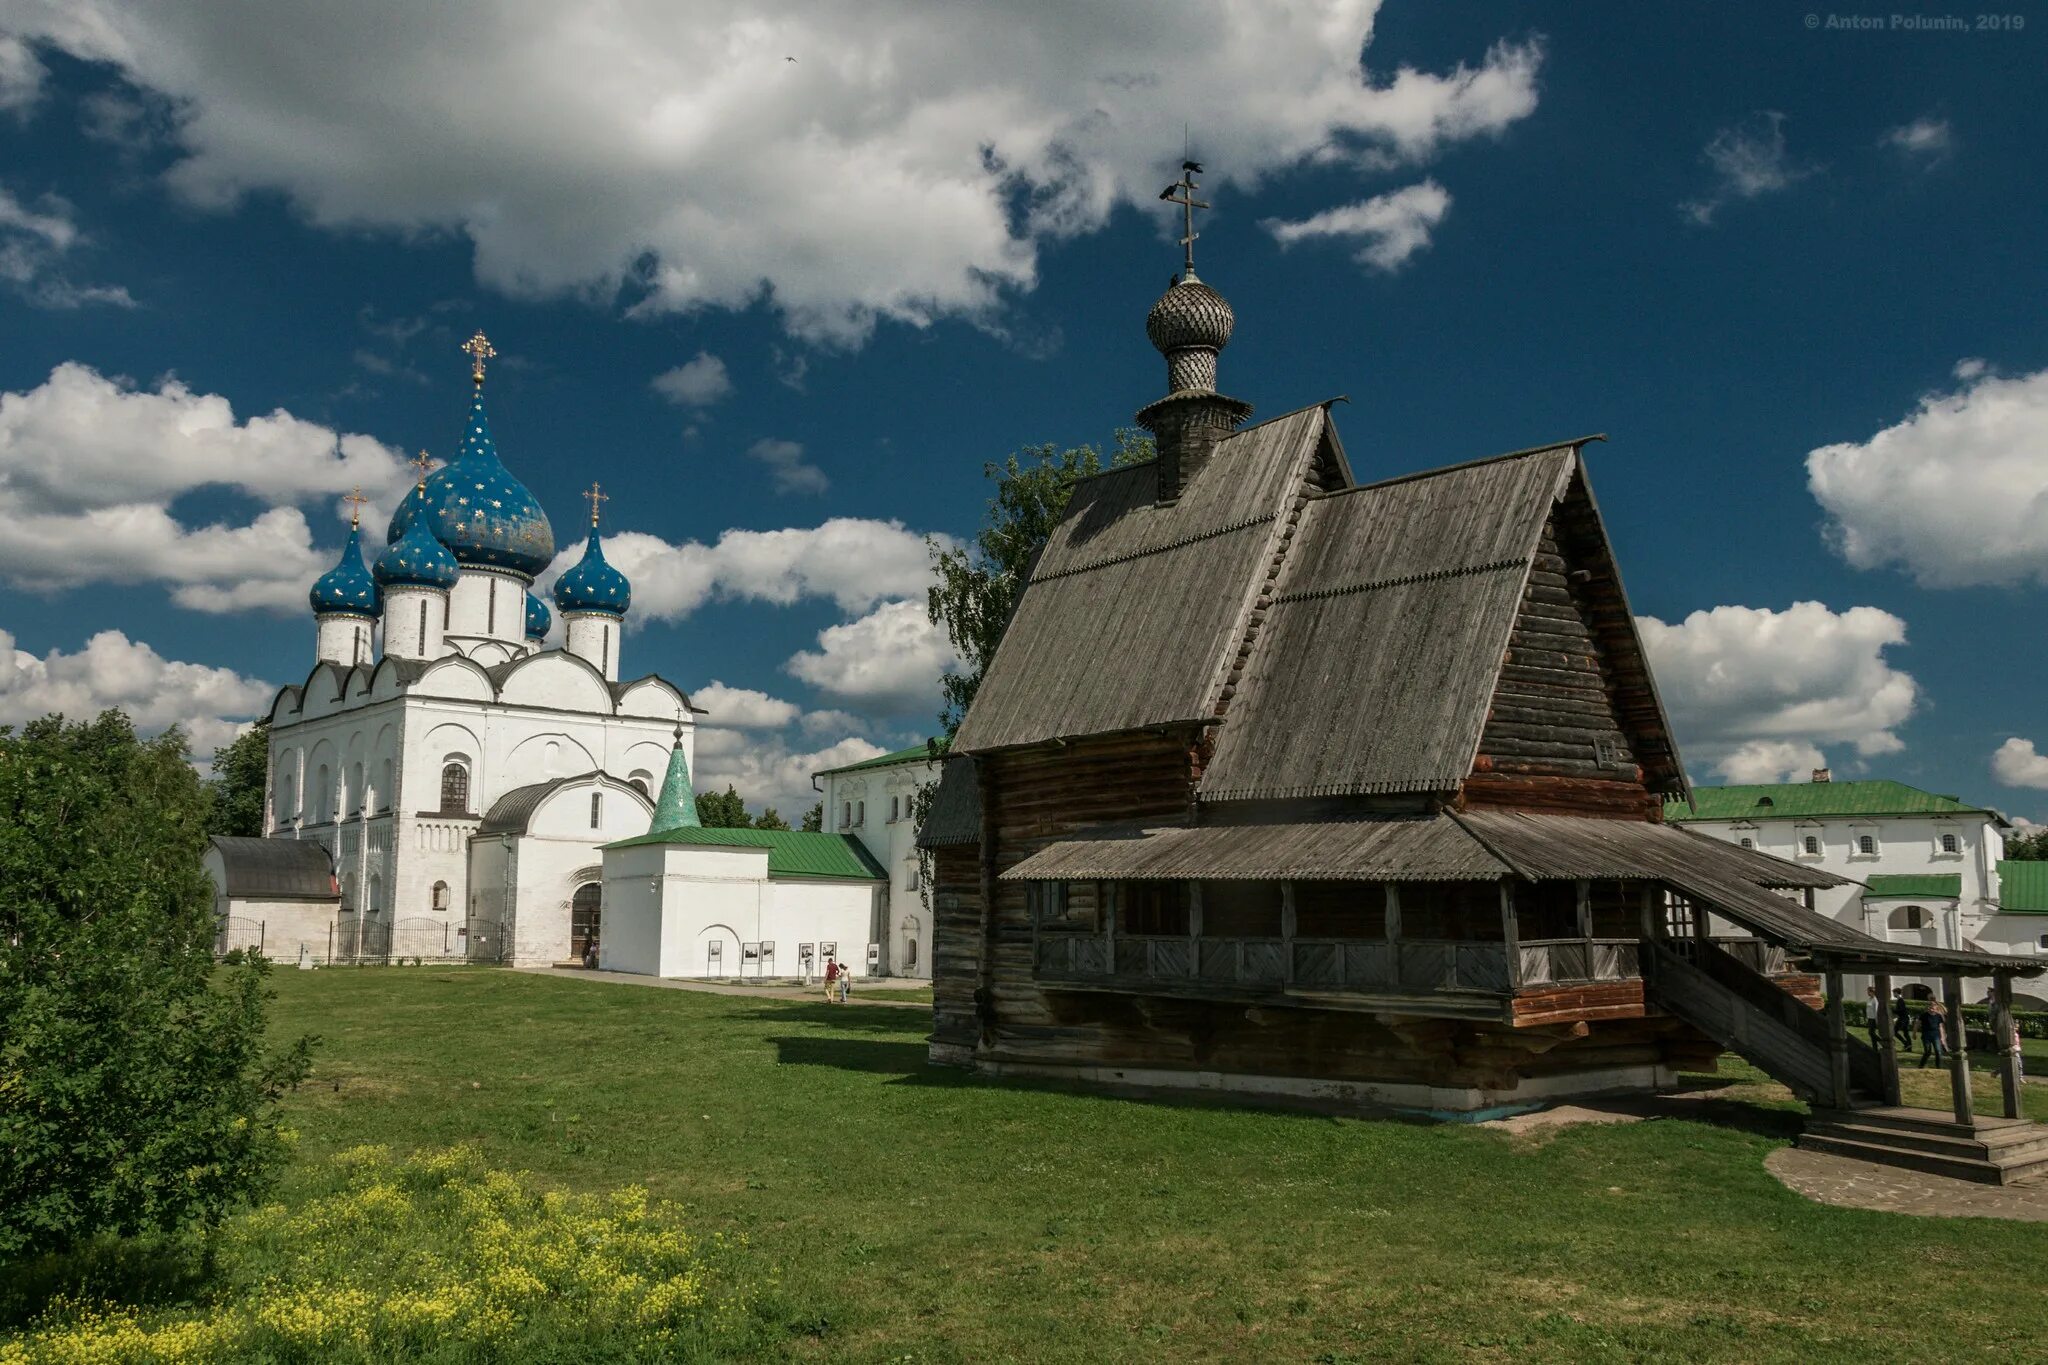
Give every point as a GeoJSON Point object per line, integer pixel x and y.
{"type": "Point", "coordinates": [558, 854]}
{"type": "Point", "coordinates": [872, 794]}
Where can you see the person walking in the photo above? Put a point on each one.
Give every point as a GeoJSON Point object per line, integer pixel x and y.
{"type": "Point", "coordinates": [845, 985]}
{"type": "Point", "coordinates": [1873, 1014]}
{"type": "Point", "coordinates": [1932, 1047]}
{"type": "Point", "coordinates": [832, 979]}
{"type": "Point", "coordinates": [1902, 1019]}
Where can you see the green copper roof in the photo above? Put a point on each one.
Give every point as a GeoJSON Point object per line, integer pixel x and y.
{"type": "Point", "coordinates": [791, 853]}
{"type": "Point", "coordinates": [1813, 801]}
{"type": "Point", "coordinates": [916, 753]}
{"type": "Point", "coordinates": [1897, 885]}
{"type": "Point", "coordinates": [677, 808]}
{"type": "Point", "coordinates": [2023, 888]}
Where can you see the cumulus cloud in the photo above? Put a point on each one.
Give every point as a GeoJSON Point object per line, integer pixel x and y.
{"type": "Point", "coordinates": [697, 383]}
{"type": "Point", "coordinates": [1955, 494]}
{"type": "Point", "coordinates": [853, 562]}
{"type": "Point", "coordinates": [91, 469]}
{"type": "Point", "coordinates": [21, 76]}
{"type": "Point", "coordinates": [743, 708]}
{"type": "Point", "coordinates": [785, 461]}
{"type": "Point", "coordinates": [1389, 228]}
{"type": "Point", "coordinates": [2016, 764]}
{"type": "Point", "coordinates": [1925, 142]}
{"type": "Point", "coordinates": [669, 149]}
{"type": "Point", "coordinates": [1748, 159]}
{"type": "Point", "coordinates": [767, 771]}
{"type": "Point", "coordinates": [213, 704]}
{"type": "Point", "coordinates": [35, 239]}
{"type": "Point", "coordinates": [889, 660]}
{"type": "Point", "coordinates": [1753, 690]}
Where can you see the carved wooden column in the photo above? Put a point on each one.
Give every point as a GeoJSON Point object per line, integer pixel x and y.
{"type": "Point", "coordinates": [2006, 1042]}
{"type": "Point", "coordinates": [1838, 1041]}
{"type": "Point", "coordinates": [1959, 1053]}
{"type": "Point", "coordinates": [1887, 1044]}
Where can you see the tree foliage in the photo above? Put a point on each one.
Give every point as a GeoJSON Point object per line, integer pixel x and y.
{"type": "Point", "coordinates": [136, 1093]}
{"type": "Point", "coordinates": [240, 770]}
{"type": "Point", "coordinates": [728, 810]}
{"type": "Point", "coordinates": [770, 818]}
{"type": "Point", "coordinates": [2028, 848]}
{"type": "Point", "coordinates": [977, 584]}
{"type": "Point", "coordinates": [814, 818]}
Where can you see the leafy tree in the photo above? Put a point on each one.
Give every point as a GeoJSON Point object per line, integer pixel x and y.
{"type": "Point", "coordinates": [770, 818]}
{"type": "Point", "coordinates": [814, 818]}
{"type": "Point", "coordinates": [2028, 848]}
{"type": "Point", "coordinates": [722, 810]}
{"type": "Point", "coordinates": [978, 584]}
{"type": "Point", "coordinates": [240, 769]}
{"type": "Point", "coordinates": [136, 1093]}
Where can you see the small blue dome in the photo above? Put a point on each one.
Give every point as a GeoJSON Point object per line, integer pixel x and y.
{"type": "Point", "coordinates": [477, 509]}
{"type": "Point", "coordinates": [593, 585]}
{"type": "Point", "coordinates": [416, 560]}
{"type": "Point", "coordinates": [347, 586]}
{"type": "Point", "coordinates": [538, 617]}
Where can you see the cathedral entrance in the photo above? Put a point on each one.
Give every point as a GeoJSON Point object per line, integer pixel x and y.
{"type": "Point", "coordinates": [586, 908]}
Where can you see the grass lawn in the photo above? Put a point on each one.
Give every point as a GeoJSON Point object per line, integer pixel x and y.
{"type": "Point", "coordinates": [918, 1213]}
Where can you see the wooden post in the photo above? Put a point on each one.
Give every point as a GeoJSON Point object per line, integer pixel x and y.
{"type": "Point", "coordinates": [1887, 1045]}
{"type": "Point", "coordinates": [1107, 894]}
{"type": "Point", "coordinates": [1838, 1040]}
{"type": "Point", "coordinates": [1510, 934]}
{"type": "Point", "coordinates": [2007, 1043]}
{"type": "Point", "coordinates": [1584, 910]}
{"type": "Point", "coordinates": [1653, 926]}
{"type": "Point", "coordinates": [1287, 932]}
{"type": "Point", "coordinates": [1958, 1050]}
{"type": "Point", "coordinates": [1393, 926]}
{"type": "Point", "coordinates": [1699, 921]}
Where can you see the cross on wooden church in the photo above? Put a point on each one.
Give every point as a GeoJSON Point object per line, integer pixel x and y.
{"type": "Point", "coordinates": [479, 349]}
{"type": "Point", "coordinates": [594, 496]}
{"type": "Point", "coordinates": [356, 499]}
{"type": "Point", "coordinates": [1182, 192]}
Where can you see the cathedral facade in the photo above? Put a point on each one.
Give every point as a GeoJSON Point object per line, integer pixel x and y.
{"type": "Point", "coordinates": [461, 773]}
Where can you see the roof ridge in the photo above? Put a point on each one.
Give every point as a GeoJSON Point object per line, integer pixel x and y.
{"type": "Point", "coordinates": [1571, 445]}
{"type": "Point", "coordinates": [1400, 580]}
{"type": "Point", "coordinates": [1177, 543]}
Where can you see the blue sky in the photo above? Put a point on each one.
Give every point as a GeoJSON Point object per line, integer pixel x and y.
{"type": "Point", "coordinates": [1724, 239]}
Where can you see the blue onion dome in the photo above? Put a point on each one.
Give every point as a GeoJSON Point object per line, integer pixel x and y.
{"type": "Point", "coordinates": [416, 560]}
{"type": "Point", "coordinates": [593, 585]}
{"type": "Point", "coordinates": [347, 587]}
{"type": "Point", "coordinates": [538, 618]}
{"type": "Point", "coordinates": [477, 509]}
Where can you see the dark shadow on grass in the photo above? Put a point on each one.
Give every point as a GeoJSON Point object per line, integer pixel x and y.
{"type": "Point", "coordinates": [143, 1272]}
{"type": "Point", "coordinates": [873, 1019]}
{"type": "Point", "coordinates": [903, 1060]}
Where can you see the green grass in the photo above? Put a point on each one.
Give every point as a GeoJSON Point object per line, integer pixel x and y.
{"type": "Point", "coordinates": [914, 1213]}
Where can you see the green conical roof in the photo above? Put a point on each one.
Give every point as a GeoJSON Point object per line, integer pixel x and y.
{"type": "Point", "coordinates": [677, 808]}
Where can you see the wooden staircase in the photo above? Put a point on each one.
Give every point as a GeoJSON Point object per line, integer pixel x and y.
{"type": "Point", "coordinates": [1989, 1151]}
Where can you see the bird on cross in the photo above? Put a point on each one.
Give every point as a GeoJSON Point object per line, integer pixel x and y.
{"type": "Point", "coordinates": [1182, 192]}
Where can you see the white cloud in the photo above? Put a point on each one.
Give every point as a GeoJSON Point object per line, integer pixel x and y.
{"type": "Point", "coordinates": [213, 704]}
{"type": "Point", "coordinates": [827, 722]}
{"type": "Point", "coordinates": [91, 469]}
{"type": "Point", "coordinates": [1751, 689]}
{"type": "Point", "coordinates": [21, 76]}
{"type": "Point", "coordinates": [767, 771]}
{"type": "Point", "coordinates": [1389, 227]}
{"type": "Point", "coordinates": [2016, 764]}
{"type": "Point", "coordinates": [1770, 760]}
{"type": "Point", "coordinates": [1956, 493]}
{"type": "Point", "coordinates": [1748, 159]}
{"type": "Point", "coordinates": [909, 164]}
{"type": "Point", "coordinates": [1925, 141]}
{"type": "Point", "coordinates": [697, 383]}
{"type": "Point", "coordinates": [889, 660]}
{"type": "Point", "coordinates": [785, 461]}
{"type": "Point", "coordinates": [742, 707]}
{"type": "Point", "coordinates": [33, 242]}
{"type": "Point", "coordinates": [852, 561]}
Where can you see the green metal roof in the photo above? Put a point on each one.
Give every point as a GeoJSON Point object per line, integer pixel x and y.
{"type": "Point", "coordinates": [791, 853]}
{"type": "Point", "coordinates": [2023, 888]}
{"type": "Point", "coordinates": [1814, 800]}
{"type": "Point", "coordinates": [1914, 885]}
{"type": "Point", "coordinates": [916, 753]}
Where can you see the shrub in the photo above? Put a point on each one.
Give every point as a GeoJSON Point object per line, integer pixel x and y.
{"type": "Point", "coordinates": [135, 1091]}
{"type": "Point", "coordinates": [439, 1257]}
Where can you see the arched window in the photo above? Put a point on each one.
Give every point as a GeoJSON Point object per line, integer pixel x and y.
{"type": "Point", "coordinates": [440, 895]}
{"type": "Point", "coordinates": [376, 894]}
{"type": "Point", "coordinates": [1866, 844]}
{"type": "Point", "coordinates": [384, 785]}
{"type": "Point", "coordinates": [323, 795]}
{"type": "Point", "coordinates": [909, 953]}
{"type": "Point", "coordinates": [1748, 842]}
{"type": "Point", "coordinates": [1909, 917]}
{"type": "Point", "coordinates": [1810, 844]}
{"type": "Point", "coordinates": [1950, 844]}
{"type": "Point", "coordinates": [455, 787]}
{"type": "Point", "coordinates": [596, 809]}
{"type": "Point", "coordinates": [644, 781]}
{"type": "Point", "coordinates": [355, 789]}
{"type": "Point", "coordinates": [282, 804]}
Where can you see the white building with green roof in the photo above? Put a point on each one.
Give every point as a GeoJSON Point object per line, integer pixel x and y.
{"type": "Point", "coordinates": [1925, 867]}
{"type": "Point", "coordinates": [874, 801]}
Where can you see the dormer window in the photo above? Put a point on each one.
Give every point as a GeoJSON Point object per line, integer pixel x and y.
{"type": "Point", "coordinates": [1951, 844]}
{"type": "Point", "coordinates": [1766, 802]}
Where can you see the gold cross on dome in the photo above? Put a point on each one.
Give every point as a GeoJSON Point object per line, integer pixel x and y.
{"type": "Point", "coordinates": [1182, 192]}
{"type": "Point", "coordinates": [422, 462]}
{"type": "Point", "coordinates": [595, 496]}
{"type": "Point", "coordinates": [355, 514]}
{"type": "Point", "coordinates": [479, 349]}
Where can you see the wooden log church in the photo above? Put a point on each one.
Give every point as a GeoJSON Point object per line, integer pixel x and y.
{"type": "Point", "coordinates": [1297, 779]}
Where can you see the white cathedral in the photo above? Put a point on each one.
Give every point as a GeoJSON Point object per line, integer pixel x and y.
{"type": "Point", "coordinates": [461, 775]}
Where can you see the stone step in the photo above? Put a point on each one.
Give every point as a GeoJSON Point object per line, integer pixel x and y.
{"type": "Point", "coordinates": [1998, 1146]}
{"type": "Point", "coordinates": [1956, 1155]}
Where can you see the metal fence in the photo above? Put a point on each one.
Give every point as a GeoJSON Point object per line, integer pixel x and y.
{"type": "Point", "coordinates": [352, 937]}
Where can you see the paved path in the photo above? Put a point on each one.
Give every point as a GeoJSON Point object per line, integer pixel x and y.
{"type": "Point", "coordinates": [815, 994]}
{"type": "Point", "coordinates": [1844, 1181]}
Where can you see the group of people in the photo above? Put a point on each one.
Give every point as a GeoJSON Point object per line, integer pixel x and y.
{"type": "Point", "coordinates": [1931, 1026]}
{"type": "Point", "coordinates": [838, 981]}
